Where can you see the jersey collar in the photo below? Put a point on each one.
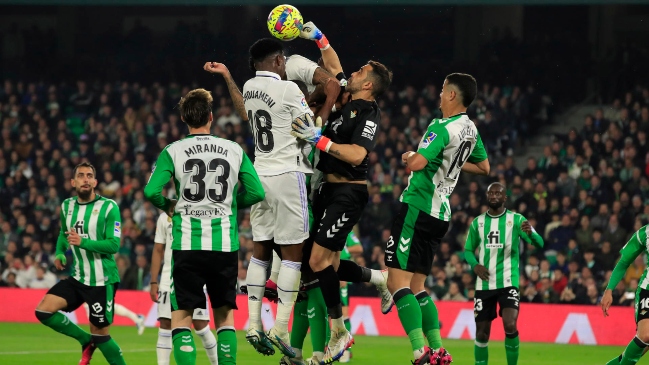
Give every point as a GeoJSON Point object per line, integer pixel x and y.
{"type": "Point", "coordinates": [497, 216]}
{"type": "Point", "coordinates": [267, 74]}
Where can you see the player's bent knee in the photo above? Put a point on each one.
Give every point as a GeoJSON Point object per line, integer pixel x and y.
{"type": "Point", "coordinates": [199, 324]}
{"type": "Point", "coordinates": [510, 326]}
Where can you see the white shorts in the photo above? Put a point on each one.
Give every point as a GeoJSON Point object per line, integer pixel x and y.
{"type": "Point", "coordinates": [164, 308]}
{"type": "Point", "coordinates": [284, 215]}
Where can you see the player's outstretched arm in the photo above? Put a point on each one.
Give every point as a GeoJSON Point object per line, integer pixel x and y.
{"type": "Point", "coordinates": [162, 172]}
{"type": "Point", "coordinates": [628, 254]}
{"type": "Point", "coordinates": [112, 231]}
{"type": "Point", "coordinates": [329, 56]}
{"type": "Point", "coordinates": [254, 191]}
{"type": "Point", "coordinates": [233, 89]}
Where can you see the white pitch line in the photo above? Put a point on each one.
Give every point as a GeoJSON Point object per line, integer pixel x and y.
{"type": "Point", "coordinates": [64, 352]}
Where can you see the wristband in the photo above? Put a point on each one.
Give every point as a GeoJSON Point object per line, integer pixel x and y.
{"type": "Point", "coordinates": [323, 43]}
{"type": "Point", "coordinates": [410, 155]}
{"type": "Point", "coordinates": [153, 282]}
{"type": "Point", "coordinates": [324, 144]}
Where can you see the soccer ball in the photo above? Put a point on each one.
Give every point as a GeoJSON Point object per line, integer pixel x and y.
{"type": "Point", "coordinates": [284, 22]}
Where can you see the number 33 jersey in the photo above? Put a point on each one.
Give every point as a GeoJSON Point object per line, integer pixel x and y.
{"type": "Point", "coordinates": [206, 171]}
{"type": "Point", "coordinates": [447, 144]}
{"type": "Point", "coordinates": [272, 105]}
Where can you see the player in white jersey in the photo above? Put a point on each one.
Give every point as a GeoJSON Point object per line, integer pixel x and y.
{"type": "Point", "coordinates": [160, 293]}
{"type": "Point", "coordinates": [283, 217]}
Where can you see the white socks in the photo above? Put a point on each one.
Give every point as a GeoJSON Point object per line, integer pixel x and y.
{"type": "Point", "coordinates": [318, 355]}
{"type": "Point", "coordinates": [164, 346]}
{"type": "Point", "coordinates": [377, 278]}
{"type": "Point", "coordinates": [338, 324]}
{"type": "Point", "coordinates": [274, 268]}
{"type": "Point", "coordinates": [209, 343]}
{"type": "Point", "coordinates": [121, 310]}
{"type": "Point", "coordinates": [288, 284]}
{"type": "Point", "coordinates": [256, 282]}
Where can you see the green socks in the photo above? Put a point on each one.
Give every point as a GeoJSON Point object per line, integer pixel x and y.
{"type": "Point", "coordinates": [633, 352]}
{"type": "Point", "coordinates": [481, 352]}
{"type": "Point", "coordinates": [410, 317]}
{"type": "Point", "coordinates": [62, 324]}
{"type": "Point", "coordinates": [227, 345]}
{"type": "Point", "coordinates": [318, 319]}
{"type": "Point", "coordinates": [430, 320]}
{"type": "Point", "coordinates": [511, 347]}
{"type": "Point", "coordinates": [615, 361]}
{"type": "Point", "coordinates": [109, 349]}
{"type": "Point", "coordinates": [184, 347]}
{"type": "Point", "coordinates": [300, 324]}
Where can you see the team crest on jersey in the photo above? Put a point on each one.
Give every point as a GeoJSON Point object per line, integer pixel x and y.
{"type": "Point", "coordinates": [428, 139]}
{"type": "Point", "coordinates": [510, 223]}
{"type": "Point", "coordinates": [353, 114]}
{"type": "Point", "coordinates": [95, 212]}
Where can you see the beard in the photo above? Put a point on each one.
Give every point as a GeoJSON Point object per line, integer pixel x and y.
{"type": "Point", "coordinates": [85, 193]}
{"type": "Point", "coordinates": [495, 205]}
{"type": "Point", "coordinates": [352, 87]}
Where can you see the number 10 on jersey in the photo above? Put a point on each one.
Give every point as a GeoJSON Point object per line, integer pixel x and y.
{"type": "Point", "coordinates": [261, 130]}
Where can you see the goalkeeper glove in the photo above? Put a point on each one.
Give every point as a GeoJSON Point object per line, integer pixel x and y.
{"type": "Point", "coordinates": [310, 31]}
{"type": "Point", "coordinates": [306, 129]}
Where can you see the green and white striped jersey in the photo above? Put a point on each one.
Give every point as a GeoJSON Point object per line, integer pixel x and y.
{"type": "Point", "coordinates": [498, 239]}
{"type": "Point", "coordinates": [447, 145]}
{"type": "Point", "coordinates": [99, 225]}
{"type": "Point", "coordinates": [637, 245]}
{"type": "Point", "coordinates": [206, 171]}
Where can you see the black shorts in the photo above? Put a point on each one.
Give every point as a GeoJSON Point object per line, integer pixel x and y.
{"type": "Point", "coordinates": [100, 299]}
{"type": "Point", "coordinates": [484, 303]}
{"type": "Point", "coordinates": [191, 270]}
{"type": "Point", "coordinates": [414, 240]}
{"type": "Point", "coordinates": [337, 207]}
{"type": "Point", "coordinates": [641, 304]}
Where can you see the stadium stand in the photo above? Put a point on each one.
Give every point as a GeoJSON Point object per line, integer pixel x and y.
{"type": "Point", "coordinates": [585, 194]}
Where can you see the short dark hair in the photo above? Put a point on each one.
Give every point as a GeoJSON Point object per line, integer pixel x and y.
{"type": "Point", "coordinates": [381, 78]}
{"type": "Point", "coordinates": [195, 107]}
{"type": "Point", "coordinates": [263, 48]}
{"type": "Point", "coordinates": [466, 84]}
{"type": "Point", "coordinates": [84, 164]}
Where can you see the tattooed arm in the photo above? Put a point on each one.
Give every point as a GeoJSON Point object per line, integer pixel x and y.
{"type": "Point", "coordinates": [233, 89]}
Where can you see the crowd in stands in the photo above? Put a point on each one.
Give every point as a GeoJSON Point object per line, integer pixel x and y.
{"type": "Point", "coordinates": [586, 194]}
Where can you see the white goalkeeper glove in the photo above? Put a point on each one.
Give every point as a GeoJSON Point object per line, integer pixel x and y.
{"type": "Point", "coordinates": [310, 31]}
{"type": "Point", "coordinates": [305, 128]}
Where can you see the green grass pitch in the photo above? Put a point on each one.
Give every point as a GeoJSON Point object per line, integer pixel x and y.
{"type": "Point", "coordinates": [36, 344]}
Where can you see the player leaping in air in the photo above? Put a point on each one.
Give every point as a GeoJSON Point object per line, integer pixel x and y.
{"type": "Point", "coordinates": [346, 142]}
{"type": "Point", "coordinates": [636, 246]}
{"type": "Point", "coordinates": [496, 234]}
{"type": "Point", "coordinates": [449, 145]}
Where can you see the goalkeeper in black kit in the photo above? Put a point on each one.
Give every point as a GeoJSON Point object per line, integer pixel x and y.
{"type": "Point", "coordinates": [349, 136]}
